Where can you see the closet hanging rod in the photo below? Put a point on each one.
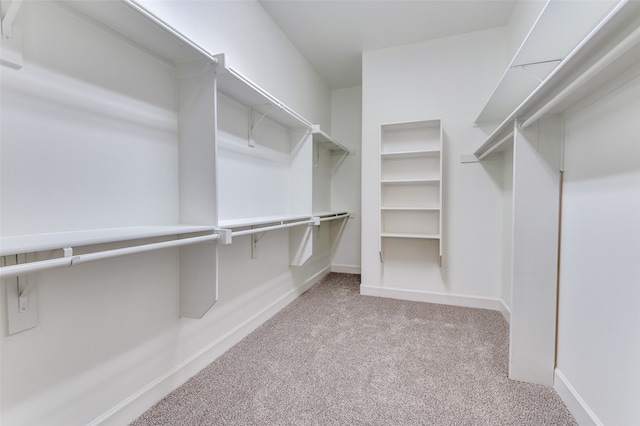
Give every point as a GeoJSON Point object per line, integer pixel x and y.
{"type": "Point", "coordinates": [14, 270]}
{"type": "Point", "coordinates": [271, 228]}
{"type": "Point", "coordinates": [496, 146]}
{"type": "Point", "coordinates": [617, 51]}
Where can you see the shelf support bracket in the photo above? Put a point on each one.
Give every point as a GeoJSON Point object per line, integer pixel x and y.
{"type": "Point", "coordinates": [339, 162]}
{"type": "Point", "coordinates": [526, 69]}
{"type": "Point", "coordinates": [254, 242]}
{"type": "Point", "coordinates": [255, 124]}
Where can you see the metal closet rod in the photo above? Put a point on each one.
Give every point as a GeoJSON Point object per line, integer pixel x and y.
{"type": "Point", "coordinates": [282, 225]}
{"type": "Point", "coordinates": [15, 270]}
{"type": "Point", "coordinates": [496, 145]}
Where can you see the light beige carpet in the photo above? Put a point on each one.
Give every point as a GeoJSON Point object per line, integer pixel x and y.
{"type": "Point", "coordinates": [334, 357]}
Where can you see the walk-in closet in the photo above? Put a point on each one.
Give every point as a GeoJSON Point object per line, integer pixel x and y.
{"type": "Point", "coordinates": [177, 176]}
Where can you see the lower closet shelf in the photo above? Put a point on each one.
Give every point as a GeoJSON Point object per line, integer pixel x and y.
{"type": "Point", "coordinates": [408, 235]}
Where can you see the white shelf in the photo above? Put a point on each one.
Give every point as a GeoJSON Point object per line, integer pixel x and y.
{"type": "Point", "coordinates": [410, 154]}
{"type": "Point", "coordinates": [408, 181]}
{"type": "Point", "coordinates": [418, 209]}
{"type": "Point", "coordinates": [51, 241]}
{"type": "Point", "coordinates": [320, 137]}
{"type": "Point", "coordinates": [411, 125]}
{"type": "Point", "coordinates": [605, 55]}
{"type": "Point", "coordinates": [128, 19]}
{"type": "Point", "coordinates": [410, 235]}
{"type": "Point", "coordinates": [240, 88]}
{"type": "Point", "coordinates": [256, 221]}
{"type": "Point", "coordinates": [556, 32]}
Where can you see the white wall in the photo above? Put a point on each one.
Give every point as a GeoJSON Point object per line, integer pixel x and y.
{"type": "Point", "coordinates": [346, 127]}
{"type": "Point", "coordinates": [449, 79]}
{"type": "Point", "coordinates": [89, 140]}
{"type": "Point", "coordinates": [256, 47]}
{"type": "Point", "coordinates": [599, 319]}
{"type": "Point", "coordinates": [521, 20]}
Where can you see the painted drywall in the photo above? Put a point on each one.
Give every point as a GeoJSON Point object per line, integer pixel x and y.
{"type": "Point", "coordinates": [89, 140]}
{"type": "Point", "coordinates": [598, 340]}
{"type": "Point", "coordinates": [346, 127]}
{"type": "Point", "coordinates": [448, 79]}
{"type": "Point", "coordinates": [522, 18]}
{"type": "Point", "coordinates": [256, 47]}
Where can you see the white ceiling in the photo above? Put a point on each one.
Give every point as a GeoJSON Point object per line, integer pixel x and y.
{"type": "Point", "coordinates": [332, 34]}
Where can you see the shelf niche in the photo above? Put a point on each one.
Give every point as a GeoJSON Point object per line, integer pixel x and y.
{"type": "Point", "coordinates": [411, 182]}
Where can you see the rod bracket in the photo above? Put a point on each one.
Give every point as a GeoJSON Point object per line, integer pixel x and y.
{"type": "Point", "coordinates": [225, 236]}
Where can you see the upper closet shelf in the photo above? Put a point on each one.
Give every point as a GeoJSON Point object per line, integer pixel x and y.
{"type": "Point", "coordinates": [247, 92]}
{"type": "Point", "coordinates": [127, 18]}
{"type": "Point", "coordinates": [608, 55]}
{"type": "Point", "coordinates": [559, 28]}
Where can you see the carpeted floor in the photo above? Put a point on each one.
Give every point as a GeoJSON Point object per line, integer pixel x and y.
{"type": "Point", "coordinates": [333, 357]}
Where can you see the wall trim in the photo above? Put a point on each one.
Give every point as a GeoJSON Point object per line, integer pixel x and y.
{"type": "Point", "coordinates": [433, 297]}
{"type": "Point", "coordinates": [505, 311]}
{"type": "Point", "coordinates": [132, 407]}
{"type": "Point", "coordinates": [574, 402]}
{"type": "Point", "coordinates": [346, 269]}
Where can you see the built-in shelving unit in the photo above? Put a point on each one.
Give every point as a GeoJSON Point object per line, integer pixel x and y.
{"type": "Point", "coordinates": [150, 36]}
{"type": "Point", "coordinates": [245, 166]}
{"type": "Point", "coordinates": [411, 181]}
{"type": "Point", "coordinates": [263, 153]}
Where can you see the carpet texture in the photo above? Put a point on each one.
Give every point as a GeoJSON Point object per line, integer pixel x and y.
{"type": "Point", "coordinates": [334, 357]}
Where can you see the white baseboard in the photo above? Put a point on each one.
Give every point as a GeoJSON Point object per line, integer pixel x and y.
{"type": "Point", "coordinates": [346, 269]}
{"type": "Point", "coordinates": [574, 402]}
{"type": "Point", "coordinates": [132, 407]}
{"type": "Point", "coordinates": [505, 311]}
{"type": "Point", "coordinates": [432, 297]}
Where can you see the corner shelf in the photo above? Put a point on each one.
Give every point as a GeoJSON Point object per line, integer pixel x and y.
{"type": "Point", "coordinates": [411, 182]}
